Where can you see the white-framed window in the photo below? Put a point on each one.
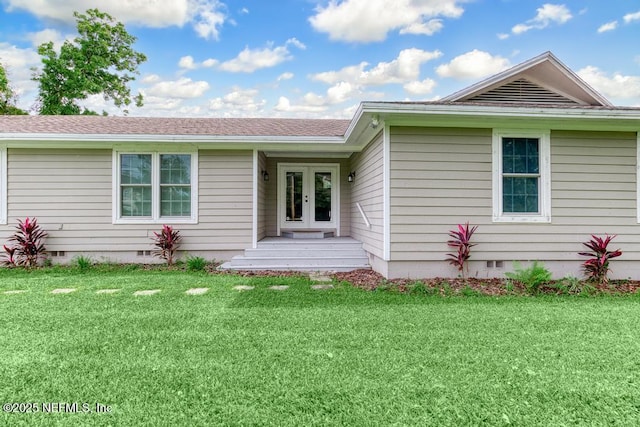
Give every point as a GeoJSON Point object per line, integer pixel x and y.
{"type": "Point", "coordinates": [521, 176]}
{"type": "Point", "coordinates": [3, 185]}
{"type": "Point", "coordinates": [155, 187]}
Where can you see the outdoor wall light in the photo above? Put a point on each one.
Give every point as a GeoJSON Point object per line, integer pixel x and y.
{"type": "Point", "coordinates": [351, 177]}
{"type": "Point", "coordinates": [265, 175]}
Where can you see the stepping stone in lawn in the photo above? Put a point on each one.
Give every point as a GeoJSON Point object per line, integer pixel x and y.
{"type": "Point", "coordinates": [320, 277]}
{"type": "Point", "coordinates": [243, 288]}
{"type": "Point", "coordinates": [196, 291]}
{"type": "Point", "coordinates": [146, 292]}
{"type": "Point", "coordinates": [279, 287]}
{"type": "Point", "coordinates": [321, 287]}
{"type": "Point", "coordinates": [63, 290]}
{"type": "Point", "coordinates": [16, 291]}
{"type": "Point", "coordinates": [107, 291]}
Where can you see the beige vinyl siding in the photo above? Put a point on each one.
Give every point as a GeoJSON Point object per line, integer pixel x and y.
{"type": "Point", "coordinates": [70, 193]}
{"type": "Point", "coordinates": [368, 190]}
{"type": "Point", "coordinates": [271, 193]}
{"type": "Point", "coordinates": [442, 177]}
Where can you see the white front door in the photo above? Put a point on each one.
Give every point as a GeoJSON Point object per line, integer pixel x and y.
{"type": "Point", "coordinates": [307, 196]}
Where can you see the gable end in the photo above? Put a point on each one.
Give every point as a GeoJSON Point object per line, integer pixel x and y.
{"type": "Point", "coordinates": [522, 91]}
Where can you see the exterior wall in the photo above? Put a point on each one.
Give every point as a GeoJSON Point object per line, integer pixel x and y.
{"type": "Point", "coordinates": [271, 194]}
{"type": "Point", "coordinates": [442, 177]}
{"type": "Point", "coordinates": [368, 190]}
{"type": "Point", "coordinates": [70, 193]}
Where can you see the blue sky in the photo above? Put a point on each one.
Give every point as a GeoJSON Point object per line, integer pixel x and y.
{"type": "Point", "coordinates": [321, 58]}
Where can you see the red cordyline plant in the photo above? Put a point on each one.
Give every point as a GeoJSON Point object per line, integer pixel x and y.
{"type": "Point", "coordinates": [597, 267]}
{"type": "Point", "coordinates": [26, 244]}
{"type": "Point", "coordinates": [166, 243]}
{"type": "Point", "coordinates": [461, 241]}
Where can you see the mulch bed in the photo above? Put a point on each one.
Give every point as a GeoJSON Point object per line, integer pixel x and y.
{"type": "Point", "coordinates": [370, 280]}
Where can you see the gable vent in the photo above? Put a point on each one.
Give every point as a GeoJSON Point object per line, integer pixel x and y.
{"type": "Point", "coordinates": [522, 91]}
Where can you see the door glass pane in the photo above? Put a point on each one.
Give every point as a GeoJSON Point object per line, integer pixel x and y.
{"type": "Point", "coordinates": [323, 196]}
{"type": "Point", "coordinates": [293, 210]}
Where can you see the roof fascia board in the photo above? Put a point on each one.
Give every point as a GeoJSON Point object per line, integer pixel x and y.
{"type": "Point", "coordinates": [120, 138]}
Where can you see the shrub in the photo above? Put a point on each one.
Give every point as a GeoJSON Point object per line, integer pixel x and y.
{"type": "Point", "coordinates": [26, 244]}
{"type": "Point", "coordinates": [461, 241]}
{"type": "Point", "coordinates": [596, 267]}
{"type": "Point", "coordinates": [166, 243]}
{"type": "Point", "coordinates": [196, 263]}
{"type": "Point", "coordinates": [532, 278]}
{"type": "Point", "coordinates": [83, 262]}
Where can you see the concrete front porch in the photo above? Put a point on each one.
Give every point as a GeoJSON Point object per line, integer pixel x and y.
{"type": "Point", "coordinates": [302, 254]}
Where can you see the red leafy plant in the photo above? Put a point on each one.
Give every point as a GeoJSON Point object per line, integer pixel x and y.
{"type": "Point", "coordinates": [166, 243]}
{"type": "Point", "coordinates": [26, 244]}
{"type": "Point", "coordinates": [461, 241]}
{"type": "Point", "coordinates": [596, 267]}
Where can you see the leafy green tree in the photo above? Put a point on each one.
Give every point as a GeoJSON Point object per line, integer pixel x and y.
{"type": "Point", "coordinates": [8, 97]}
{"type": "Point", "coordinates": [101, 60]}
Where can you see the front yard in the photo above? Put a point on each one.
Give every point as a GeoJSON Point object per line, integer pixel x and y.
{"type": "Point", "coordinates": [308, 357]}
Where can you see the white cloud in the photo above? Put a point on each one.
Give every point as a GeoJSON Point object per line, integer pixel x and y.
{"type": "Point", "coordinates": [547, 15]}
{"type": "Point", "coordinates": [403, 69]}
{"type": "Point", "coordinates": [609, 26]}
{"type": "Point", "coordinates": [284, 105]}
{"type": "Point", "coordinates": [238, 103]}
{"type": "Point", "coordinates": [420, 87]}
{"type": "Point", "coordinates": [183, 88]}
{"type": "Point", "coordinates": [630, 17]}
{"type": "Point", "coordinates": [206, 16]}
{"type": "Point", "coordinates": [503, 36]}
{"type": "Point", "coordinates": [250, 60]}
{"type": "Point", "coordinates": [285, 76]}
{"type": "Point", "coordinates": [17, 63]}
{"type": "Point", "coordinates": [428, 28]}
{"type": "Point", "coordinates": [615, 86]}
{"type": "Point", "coordinates": [475, 64]}
{"type": "Point", "coordinates": [49, 35]}
{"type": "Point", "coordinates": [187, 63]}
{"type": "Point", "coordinates": [372, 20]}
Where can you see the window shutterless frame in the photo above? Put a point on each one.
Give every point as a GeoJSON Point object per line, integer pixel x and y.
{"type": "Point", "coordinates": [160, 192]}
{"type": "Point", "coordinates": [542, 176]}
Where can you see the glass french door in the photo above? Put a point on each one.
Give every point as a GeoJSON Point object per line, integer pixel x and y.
{"type": "Point", "coordinates": [308, 196]}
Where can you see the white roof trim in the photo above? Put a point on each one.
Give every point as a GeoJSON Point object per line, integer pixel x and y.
{"type": "Point", "coordinates": [521, 68]}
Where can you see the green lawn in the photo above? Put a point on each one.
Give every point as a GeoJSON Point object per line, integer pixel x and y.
{"type": "Point", "coordinates": [302, 357]}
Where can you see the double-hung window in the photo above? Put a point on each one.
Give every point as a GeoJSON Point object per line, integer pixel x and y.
{"type": "Point", "coordinates": [155, 187]}
{"type": "Point", "coordinates": [521, 177]}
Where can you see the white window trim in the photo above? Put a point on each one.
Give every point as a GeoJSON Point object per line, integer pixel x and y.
{"type": "Point", "coordinates": [544, 138]}
{"type": "Point", "coordinates": [3, 185]}
{"type": "Point", "coordinates": [155, 217]}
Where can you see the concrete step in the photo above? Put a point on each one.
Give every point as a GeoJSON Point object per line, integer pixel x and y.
{"type": "Point", "coordinates": [243, 261]}
{"type": "Point", "coordinates": [276, 267]}
{"type": "Point", "coordinates": [311, 253]}
{"type": "Point", "coordinates": [329, 254]}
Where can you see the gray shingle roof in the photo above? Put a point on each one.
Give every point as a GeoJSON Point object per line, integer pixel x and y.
{"type": "Point", "coordinates": [113, 125]}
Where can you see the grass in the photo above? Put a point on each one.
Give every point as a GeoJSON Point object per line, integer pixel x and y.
{"type": "Point", "coordinates": [312, 358]}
